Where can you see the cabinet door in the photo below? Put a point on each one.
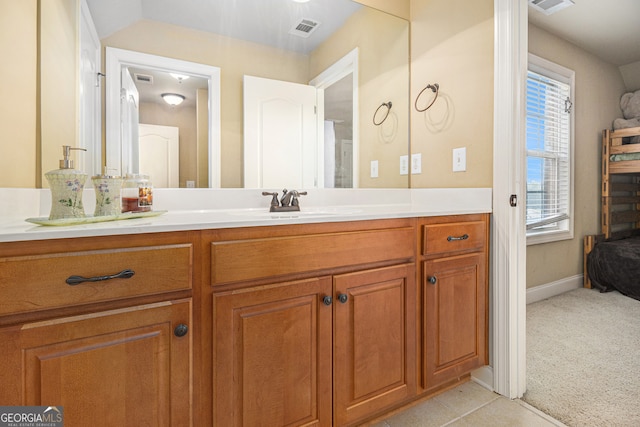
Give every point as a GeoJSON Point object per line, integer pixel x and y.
{"type": "Point", "coordinates": [114, 368]}
{"type": "Point", "coordinates": [272, 355]}
{"type": "Point", "coordinates": [454, 317]}
{"type": "Point", "coordinates": [374, 341]}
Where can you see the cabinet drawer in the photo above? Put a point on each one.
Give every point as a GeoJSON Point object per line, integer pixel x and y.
{"type": "Point", "coordinates": [38, 282]}
{"type": "Point", "coordinates": [250, 259]}
{"type": "Point", "coordinates": [453, 237]}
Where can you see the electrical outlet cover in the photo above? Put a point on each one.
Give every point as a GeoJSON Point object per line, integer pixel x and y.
{"type": "Point", "coordinates": [404, 165]}
{"type": "Point", "coordinates": [374, 168]}
{"type": "Point", "coordinates": [460, 159]}
{"type": "Point", "coordinates": [416, 163]}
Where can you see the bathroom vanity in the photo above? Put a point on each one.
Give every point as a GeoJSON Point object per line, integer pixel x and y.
{"type": "Point", "coordinates": [236, 317]}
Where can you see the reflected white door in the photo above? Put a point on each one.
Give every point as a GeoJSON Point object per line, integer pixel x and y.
{"type": "Point", "coordinates": [90, 103]}
{"type": "Point", "coordinates": [129, 108]}
{"type": "Point", "coordinates": [160, 155]}
{"type": "Point", "coordinates": [280, 136]}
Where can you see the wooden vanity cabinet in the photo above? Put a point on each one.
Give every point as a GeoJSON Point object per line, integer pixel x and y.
{"type": "Point", "coordinates": [327, 324]}
{"type": "Point", "coordinates": [323, 333]}
{"type": "Point", "coordinates": [110, 352]}
{"type": "Point", "coordinates": [453, 297]}
{"type": "Point", "coordinates": [272, 355]}
{"type": "Point", "coordinates": [374, 344]}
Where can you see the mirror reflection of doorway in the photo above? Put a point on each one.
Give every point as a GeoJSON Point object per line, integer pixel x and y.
{"type": "Point", "coordinates": [200, 166]}
{"type": "Point", "coordinates": [151, 84]}
{"type": "Point", "coordinates": [338, 135]}
{"type": "Point", "coordinates": [338, 113]}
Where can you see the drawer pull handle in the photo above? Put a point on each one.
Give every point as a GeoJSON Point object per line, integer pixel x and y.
{"type": "Point", "coordinates": [181, 330]}
{"type": "Point", "coordinates": [432, 279]}
{"type": "Point", "coordinates": [343, 298]}
{"type": "Point", "coordinates": [76, 280]}
{"type": "Point", "coordinates": [453, 239]}
{"type": "Point", "coordinates": [327, 300]}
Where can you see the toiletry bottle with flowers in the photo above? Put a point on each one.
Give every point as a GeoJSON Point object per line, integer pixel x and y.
{"type": "Point", "coordinates": [67, 186]}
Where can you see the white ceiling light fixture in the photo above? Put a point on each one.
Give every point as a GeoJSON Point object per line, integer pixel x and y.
{"type": "Point", "coordinates": [550, 6]}
{"type": "Point", "coordinates": [172, 99]}
{"type": "Point", "coordinates": [301, 1]}
{"type": "Point", "coordinates": [179, 77]}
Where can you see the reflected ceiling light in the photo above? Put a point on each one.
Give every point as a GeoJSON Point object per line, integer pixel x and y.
{"type": "Point", "coordinates": [179, 77]}
{"type": "Point", "coordinates": [301, 1]}
{"type": "Point", "coordinates": [172, 98]}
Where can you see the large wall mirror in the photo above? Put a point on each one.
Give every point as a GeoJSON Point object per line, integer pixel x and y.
{"type": "Point", "coordinates": [355, 57]}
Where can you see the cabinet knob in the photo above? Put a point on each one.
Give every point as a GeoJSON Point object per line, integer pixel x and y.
{"type": "Point", "coordinates": [327, 300]}
{"type": "Point", "coordinates": [343, 298]}
{"type": "Point", "coordinates": [181, 330]}
{"type": "Point", "coordinates": [432, 279]}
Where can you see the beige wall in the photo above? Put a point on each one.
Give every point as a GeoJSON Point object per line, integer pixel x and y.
{"type": "Point", "coordinates": [59, 69]}
{"type": "Point", "coordinates": [235, 58]}
{"type": "Point", "coordinates": [598, 89]}
{"type": "Point", "coordinates": [395, 7]}
{"type": "Point", "coordinates": [18, 43]}
{"type": "Point", "coordinates": [631, 76]}
{"type": "Point", "coordinates": [383, 64]}
{"type": "Point", "coordinates": [452, 45]}
{"type": "Point", "coordinates": [44, 114]}
{"type": "Point", "coordinates": [202, 109]}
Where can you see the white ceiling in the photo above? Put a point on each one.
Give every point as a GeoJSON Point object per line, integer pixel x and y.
{"type": "Point", "coordinates": [609, 29]}
{"type": "Point", "coordinates": [261, 21]}
{"type": "Point", "coordinates": [266, 22]}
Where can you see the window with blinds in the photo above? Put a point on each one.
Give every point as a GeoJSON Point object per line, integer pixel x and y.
{"type": "Point", "coordinates": [549, 150]}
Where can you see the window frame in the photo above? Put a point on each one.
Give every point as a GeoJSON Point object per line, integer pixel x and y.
{"type": "Point", "coordinates": [564, 229]}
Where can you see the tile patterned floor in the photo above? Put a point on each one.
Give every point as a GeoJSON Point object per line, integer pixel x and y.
{"type": "Point", "coordinates": [469, 405]}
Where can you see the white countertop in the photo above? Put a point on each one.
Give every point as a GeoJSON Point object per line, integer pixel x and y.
{"type": "Point", "coordinates": [197, 209]}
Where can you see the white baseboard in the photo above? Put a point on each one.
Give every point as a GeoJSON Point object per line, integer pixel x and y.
{"type": "Point", "coordinates": [484, 377]}
{"type": "Point", "coordinates": [538, 293]}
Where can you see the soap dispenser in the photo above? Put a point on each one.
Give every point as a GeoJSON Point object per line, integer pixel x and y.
{"type": "Point", "coordinates": [67, 185]}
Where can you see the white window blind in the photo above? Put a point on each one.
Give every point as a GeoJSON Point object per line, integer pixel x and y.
{"type": "Point", "coordinates": [548, 137]}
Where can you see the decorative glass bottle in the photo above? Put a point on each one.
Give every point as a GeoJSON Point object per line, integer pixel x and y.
{"type": "Point", "coordinates": [137, 193]}
{"type": "Point", "coordinates": [67, 185]}
{"type": "Point", "coordinates": [108, 189]}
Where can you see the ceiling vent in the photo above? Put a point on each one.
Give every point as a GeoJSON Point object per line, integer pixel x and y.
{"type": "Point", "coordinates": [304, 27]}
{"type": "Point", "coordinates": [143, 78]}
{"type": "Point", "coordinates": [550, 6]}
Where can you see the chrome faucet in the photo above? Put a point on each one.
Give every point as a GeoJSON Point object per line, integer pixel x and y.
{"type": "Point", "coordinates": [287, 203]}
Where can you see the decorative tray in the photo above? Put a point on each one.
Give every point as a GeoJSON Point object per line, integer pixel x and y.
{"type": "Point", "coordinates": [93, 219]}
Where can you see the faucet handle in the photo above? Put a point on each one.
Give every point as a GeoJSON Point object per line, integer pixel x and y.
{"type": "Point", "coordinates": [274, 197]}
{"type": "Point", "coordinates": [295, 195]}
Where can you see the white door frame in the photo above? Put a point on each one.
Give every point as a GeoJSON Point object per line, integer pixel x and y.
{"type": "Point", "coordinates": [117, 58]}
{"type": "Point", "coordinates": [508, 239]}
{"type": "Point", "coordinates": [90, 119]}
{"type": "Point", "coordinates": [346, 65]}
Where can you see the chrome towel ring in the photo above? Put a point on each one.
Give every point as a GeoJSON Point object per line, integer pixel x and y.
{"type": "Point", "coordinates": [384, 104]}
{"type": "Point", "coordinates": [435, 88]}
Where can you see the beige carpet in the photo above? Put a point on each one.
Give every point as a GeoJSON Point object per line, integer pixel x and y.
{"type": "Point", "coordinates": [583, 358]}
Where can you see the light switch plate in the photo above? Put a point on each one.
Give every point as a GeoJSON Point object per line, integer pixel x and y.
{"type": "Point", "coordinates": [404, 164]}
{"type": "Point", "coordinates": [460, 159]}
{"type": "Point", "coordinates": [416, 163]}
{"type": "Point", "coordinates": [374, 168]}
